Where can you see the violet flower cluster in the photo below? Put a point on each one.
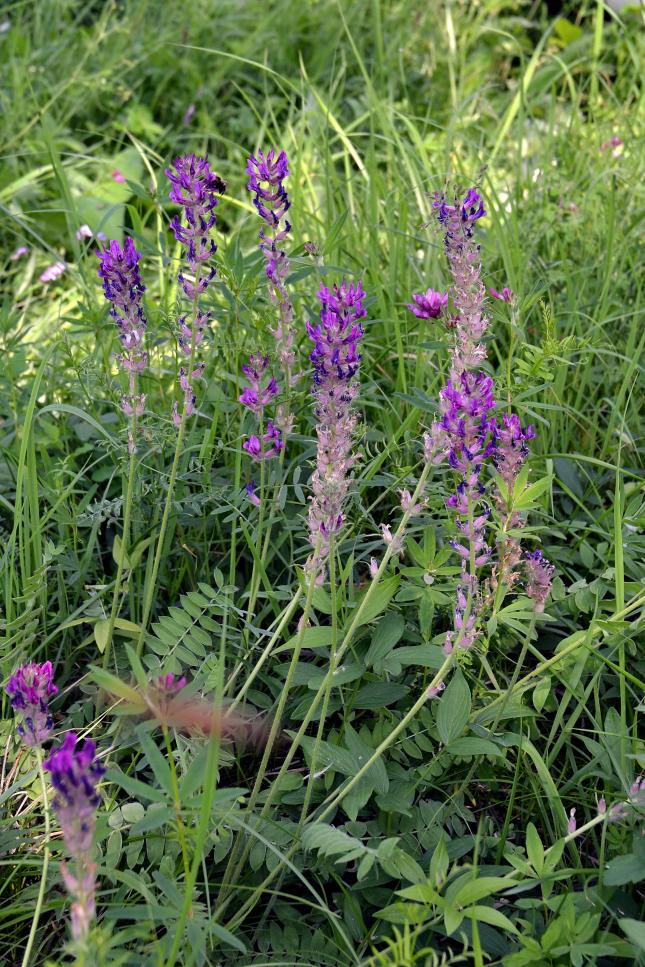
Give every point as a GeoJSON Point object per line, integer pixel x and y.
{"type": "Point", "coordinates": [260, 392]}
{"type": "Point", "coordinates": [267, 173]}
{"type": "Point", "coordinates": [336, 362]}
{"type": "Point", "coordinates": [30, 688]}
{"type": "Point", "coordinates": [194, 189]}
{"type": "Point", "coordinates": [511, 451]}
{"type": "Point", "coordinates": [468, 436]}
{"type": "Point", "coordinates": [75, 774]}
{"type": "Point", "coordinates": [468, 291]}
{"type": "Point", "coordinates": [123, 289]}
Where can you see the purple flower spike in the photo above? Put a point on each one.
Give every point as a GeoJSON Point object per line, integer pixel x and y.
{"type": "Point", "coordinates": [75, 774]}
{"type": "Point", "coordinates": [470, 322]}
{"type": "Point", "coordinates": [428, 305]}
{"type": "Point", "coordinates": [194, 189]}
{"type": "Point", "coordinates": [512, 449]}
{"type": "Point", "coordinates": [267, 173]}
{"type": "Point", "coordinates": [539, 574]}
{"type": "Point", "coordinates": [29, 689]}
{"type": "Point", "coordinates": [336, 362]}
{"type": "Point", "coordinates": [266, 176]}
{"type": "Point", "coordinates": [123, 289]}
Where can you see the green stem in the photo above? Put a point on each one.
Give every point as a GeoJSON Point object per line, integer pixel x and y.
{"type": "Point", "coordinates": [120, 565]}
{"type": "Point", "coordinates": [334, 800]}
{"type": "Point", "coordinates": [277, 634]}
{"type": "Point", "coordinates": [328, 686]}
{"type": "Point", "coordinates": [151, 584]}
{"type": "Point", "coordinates": [181, 830]}
{"type": "Point", "coordinates": [275, 726]}
{"type": "Point", "coordinates": [347, 640]}
{"type": "Point", "coordinates": [43, 877]}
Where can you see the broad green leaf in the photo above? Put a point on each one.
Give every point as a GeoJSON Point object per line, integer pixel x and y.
{"type": "Point", "coordinates": [624, 869]}
{"type": "Point", "coordinates": [491, 916]}
{"type": "Point", "coordinates": [379, 598]}
{"type": "Point", "coordinates": [479, 888]}
{"type": "Point", "coordinates": [634, 930]}
{"type": "Point", "coordinates": [534, 849]}
{"type": "Point", "coordinates": [454, 709]}
{"type": "Point", "coordinates": [386, 635]}
{"type": "Point", "coordinates": [473, 745]}
{"type": "Point", "coordinates": [439, 862]}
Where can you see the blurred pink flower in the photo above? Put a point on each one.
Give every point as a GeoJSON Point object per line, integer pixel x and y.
{"type": "Point", "coordinates": [19, 252]}
{"type": "Point", "coordinates": [53, 272]}
{"type": "Point", "coordinates": [117, 175]}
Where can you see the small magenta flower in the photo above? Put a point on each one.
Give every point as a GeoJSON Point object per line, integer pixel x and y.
{"type": "Point", "coordinates": [258, 394]}
{"type": "Point", "coordinates": [251, 495]}
{"type": "Point", "coordinates": [428, 305]}
{"type": "Point", "coordinates": [117, 176]}
{"type": "Point", "coordinates": [269, 446]}
{"type": "Point", "coordinates": [75, 774]}
{"type": "Point", "coordinates": [433, 691]}
{"type": "Point", "coordinates": [572, 825]}
{"type": "Point", "coordinates": [168, 685]}
{"type": "Point", "coordinates": [602, 806]}
{"type": "Point", "coordinates": [53, 272]}
{"type": "Point", "coordinates": [374, 565]}
{"type": "Point", "coordinates": [539, 574]}
{"type": "Point", "coordinates": [19, 253]}
{"type": "Point", "coordinates": [512, 447]}
{"type": "Point", "coordinates": [30, 689]}
{"type": "Point", "coordinates": [336, 363]}
{"type": "Point", "coordinates": [506, 295]}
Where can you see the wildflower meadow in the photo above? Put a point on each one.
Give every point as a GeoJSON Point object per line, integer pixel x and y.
{"type": "Point", "coordinates": [322, 563]}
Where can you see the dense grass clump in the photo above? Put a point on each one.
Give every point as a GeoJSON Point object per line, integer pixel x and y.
{"type": "Point", "coordinates": [321, 490]}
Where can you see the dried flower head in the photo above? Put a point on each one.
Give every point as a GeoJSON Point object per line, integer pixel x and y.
{"type": "Point", "coordinates": [30, 689]}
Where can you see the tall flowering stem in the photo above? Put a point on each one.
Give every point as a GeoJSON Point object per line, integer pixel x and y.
{"type": "Point", "coordinates": [75, 773]}
{"type": "Point", "coordinates": [123, 289]}
{"type": "Point", "coordinates": [510, 455]}
{"type": "Point", "coordinates": [336, 362]}
{"type": "Point", "coordinates": [458, 220]}
{"type": "Point", "coordinates": [267, 174]}
{"type": "Point", "coordinates": [29, 689]}
{"type": "Point", "coordinates": [194, 188]}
